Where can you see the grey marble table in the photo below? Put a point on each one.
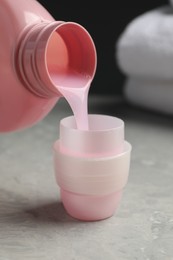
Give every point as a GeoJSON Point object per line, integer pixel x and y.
{"type": "Point", "coordinates": [33, 222]}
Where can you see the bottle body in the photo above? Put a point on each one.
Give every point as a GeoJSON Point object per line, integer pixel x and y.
{"type": "Point", "coordinates": [19, 107]}
{"type": "Point", "coordinates": [39, 56]}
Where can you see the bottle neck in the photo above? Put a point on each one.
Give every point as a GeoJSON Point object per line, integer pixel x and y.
{"type": "Point", "coordinates": [48, 49]}
{"type": "Point", "coordinates": [31, 65]}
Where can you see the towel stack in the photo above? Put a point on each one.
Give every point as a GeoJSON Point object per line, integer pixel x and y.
{"type": "Point", "coordinates": [144, 53]}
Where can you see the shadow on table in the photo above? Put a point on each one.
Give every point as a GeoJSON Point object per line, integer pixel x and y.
{"type": "Point", "coordinates": [16, 212]}
{"type": "Point", "coordinates": [49, 212]}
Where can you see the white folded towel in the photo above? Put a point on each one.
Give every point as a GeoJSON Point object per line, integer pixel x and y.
{"type": "Point", "coordinates": [145, 48]}
{"type": "Point", "coordinates": [150, 94]}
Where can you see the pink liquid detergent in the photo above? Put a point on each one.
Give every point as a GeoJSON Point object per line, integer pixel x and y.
{"type": "Point", "coordinates": [65, 74]}
{"type": "Point", "coordinates": [75, 90]}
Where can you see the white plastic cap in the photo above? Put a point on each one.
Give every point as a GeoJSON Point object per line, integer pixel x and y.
{"type": "Point", "coordinates": [93, 162]}
{"type": "Point", "coordinates": [105, 136]}
{"type": "Point", "coordinates": [92, 176]}
{"type": "Point", "coordinates": [92, 167]}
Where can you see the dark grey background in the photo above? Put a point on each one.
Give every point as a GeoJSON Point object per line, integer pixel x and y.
{"type": "Point", "coordinates": [105, 26]}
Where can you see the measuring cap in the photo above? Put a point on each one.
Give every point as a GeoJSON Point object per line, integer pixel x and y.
{"type": "Point", "coordinates": [92, 166]}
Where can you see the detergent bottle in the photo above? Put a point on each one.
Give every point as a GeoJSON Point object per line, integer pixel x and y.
{"type": "Point", "coordinates": [38, 55]}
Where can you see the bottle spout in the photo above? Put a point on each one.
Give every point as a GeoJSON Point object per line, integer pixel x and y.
{"type": "Point", "coordinates": [56, 54]}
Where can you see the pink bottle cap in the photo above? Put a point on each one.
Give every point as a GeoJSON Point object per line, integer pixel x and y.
{"type": "Point", "coordinates": [92, 167]}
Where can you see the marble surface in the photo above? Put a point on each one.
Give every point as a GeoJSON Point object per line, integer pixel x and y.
{"type": "Point", "coordinates": [33, 222]}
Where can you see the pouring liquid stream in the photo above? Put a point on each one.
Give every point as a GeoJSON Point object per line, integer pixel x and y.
{"type": "Point", "coordinates": [74, 89]}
